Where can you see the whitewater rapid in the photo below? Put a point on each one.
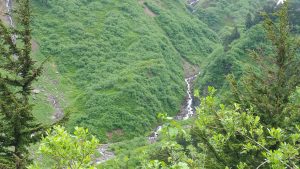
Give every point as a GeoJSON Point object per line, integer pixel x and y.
{"type": "Point", "coordinates": [188, 110]}
{"type": "Point", "coordinates": [189, 106]}
{"type": "Point", "coordinates": [8, 5]}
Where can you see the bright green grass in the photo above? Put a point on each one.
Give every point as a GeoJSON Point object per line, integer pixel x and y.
{"type": "Point", "coordinates": [50, 83]}
{"type": "Point", "coordinates": [118, 66]}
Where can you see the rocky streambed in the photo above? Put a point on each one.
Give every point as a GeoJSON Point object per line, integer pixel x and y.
{"type": "Point", "coordinates": [188, 107]}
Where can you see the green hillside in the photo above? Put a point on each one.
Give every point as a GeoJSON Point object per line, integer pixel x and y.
{"type": "Point", "coordinates": [149, 84]}
{"type": "Point", "coordinates": [235, 57]}
{"type": "Point", "coordinates": [124, 58]}
{"type": "Point", "coordinates": [123, 61]}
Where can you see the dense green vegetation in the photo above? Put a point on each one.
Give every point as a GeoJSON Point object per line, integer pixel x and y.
{"type": "Point", "coordinates": [118, 69]}
{"type": "Point", "coordinates": [18, 127]}
{"type": "Point", "coordinates": [126, 64]}
{"type": "Point", "coordinates": [222, 15]}
{"type": "Point", "coordinates": [66, 150]}
{"type": "Point", "coordinates": [259, 129]}
{"type": "Point", "coordinates": [228, 19]}
{"type": "Point", "coordinates": [233, 56]}
{"type": "Point", "coordinates": [125, 59]}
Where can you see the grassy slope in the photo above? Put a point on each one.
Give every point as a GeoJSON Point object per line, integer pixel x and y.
{"type": "Point", "coordinates": [124, 65]}
{"type": "Point", "coordinates": [180, 32]}
{"type": "Point", "coordinates": [236, 60]}
{"type": "Point", "coordinates": [191, 37]}
{"type": "Point", "coordinates": [131, 154]}
{"type": "Point", "coordinates": [222, 16]}
{"type": "Point", "coordinates": [120, 65]}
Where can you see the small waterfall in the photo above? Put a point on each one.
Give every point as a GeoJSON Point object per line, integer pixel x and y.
{"type": "Point", "coordinates": [8, 7]}
{"type": "Point", "coordinates": [105, 154]}
{"type": "Point", "coordinates": [9, 18]}
{"type": "Point", "coordinates": [189, 110]}
{"type": "Point", "coordinates": [186, 113]}
{"type": "Point", "coordinates": [154, 135]}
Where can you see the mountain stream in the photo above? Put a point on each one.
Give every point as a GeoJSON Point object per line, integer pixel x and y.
{"type": "Point", "coordinates": [185, 114]}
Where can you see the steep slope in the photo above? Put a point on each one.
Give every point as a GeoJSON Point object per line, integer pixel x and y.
{"type": "Point", "coordinates": [219, 64]}
{"type": "Point", "coordinates": [192, 38]}
{"type": "Point", "coordinates": [236, 58]}
{"type": "Point", "coordinates": [125, 58]}
{"type": "Point", "coordinates": [221, 15]}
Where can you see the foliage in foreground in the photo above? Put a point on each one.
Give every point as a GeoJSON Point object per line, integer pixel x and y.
{"type": "Point", "coordinates": [18, 127]}
{"type": "Point", "coordinates": [236, 60]}
{"type": "Point", "coordinates": [241, 135]}
{"type": "Point", "coordinates": [61, 150]}
{"type": "Point", "coordinates": [226, 136]}
{"type": "Point", "coordinates": [268, 90]}
{"type": "Point", "coordinates": [125, 73]}
{"type": "Point", "coordinates": [261, 130]}
{"type": "Point", "coordinates": [233, 136]}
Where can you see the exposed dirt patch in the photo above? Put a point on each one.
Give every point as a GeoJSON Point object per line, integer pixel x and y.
{"type": "Point", "coordinates": [54, 96]}
{"type": "Point", "coordinates": [149, 12]}
{"type": "Point", "coordinates": [189, 70]}
{"type": "Point", "coordinates": [58, 114]}
{"type": "Point", "coordinates": [118, 132]}
{"type": "Point", "coordinates": [146, 9]}
{"type": "Point", "coordinates": [3, 10]}
{"type": "Point", "coordinates": [34, 46]}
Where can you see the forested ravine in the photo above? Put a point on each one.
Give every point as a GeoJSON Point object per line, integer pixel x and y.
{"type": "Point", "coordinates": [185, 113]}
{"type": "Point", "coordinates": [188, 110]}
